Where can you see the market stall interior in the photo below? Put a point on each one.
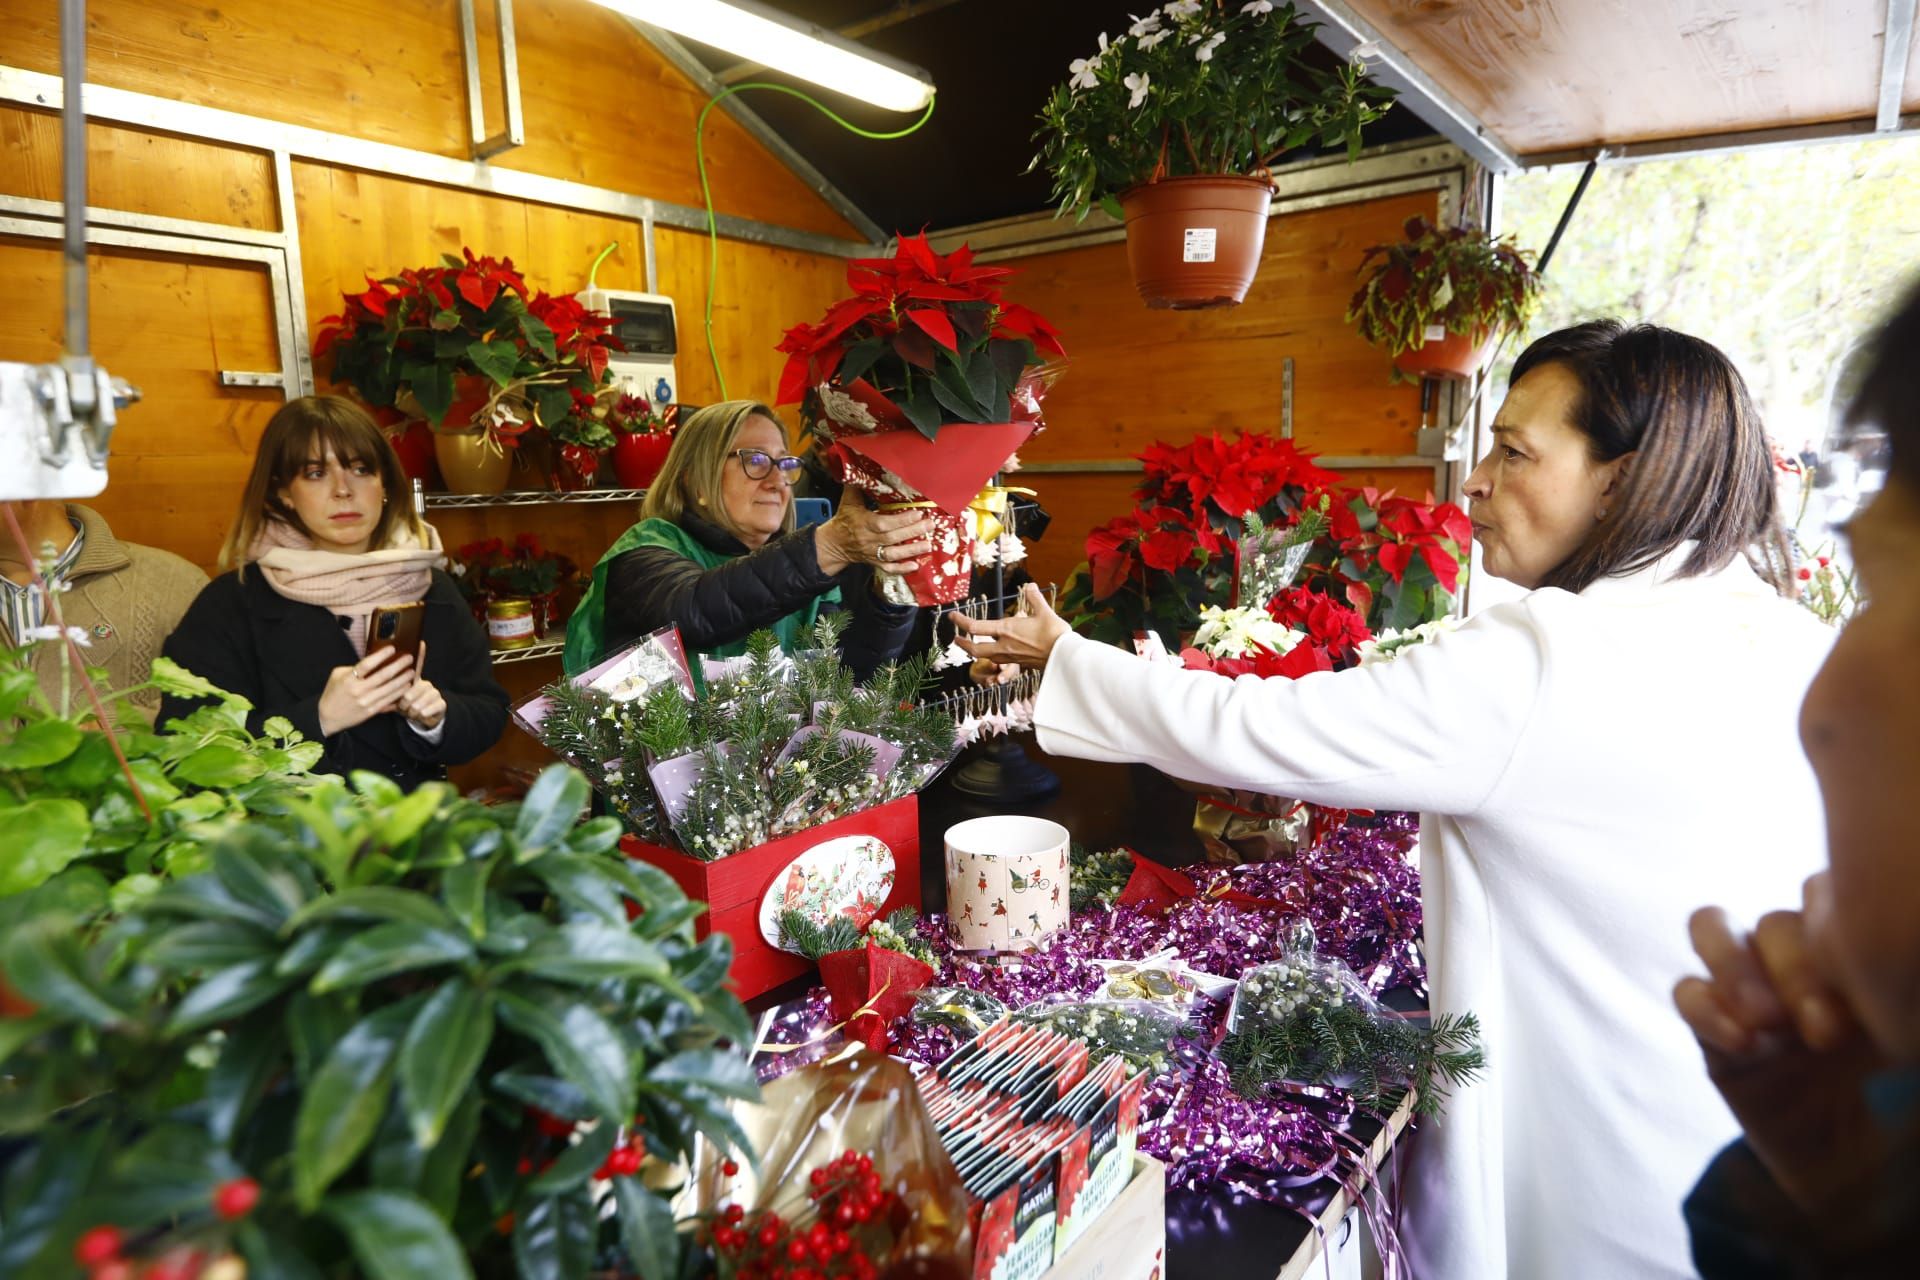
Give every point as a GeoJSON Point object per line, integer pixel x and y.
{"type": "Point", "coordinates": [775, 972]}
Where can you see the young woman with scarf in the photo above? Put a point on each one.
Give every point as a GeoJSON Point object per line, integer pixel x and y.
{"type": "Point", "coordinates": [324, 536]}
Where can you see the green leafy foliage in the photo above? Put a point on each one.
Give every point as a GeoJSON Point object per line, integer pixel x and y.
{"type": "Point", "coordinates": [1458, 278]}
{"type": "Point", "coordinates": [359, 1003]}
{"type": "Point", "coordinates": [1197, 88]}
{"type": "Point", "coordinates": [70, 814]}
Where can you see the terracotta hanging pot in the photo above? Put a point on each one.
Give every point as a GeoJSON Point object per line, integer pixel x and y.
{"type": "Point", "coordinates": [1451, 357]}
{"type": "Point", "coordinates": [638, 457]}
{"type": "Point", "coordinates": [470, 463]}
{"type": "Point", "coordinates": [1195, 242]}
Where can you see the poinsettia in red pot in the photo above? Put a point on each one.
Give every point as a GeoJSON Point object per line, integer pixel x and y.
{"type": "Point", "coordinates": [919, 387]}
{"type": "Point", "coordinates": [642, 438]}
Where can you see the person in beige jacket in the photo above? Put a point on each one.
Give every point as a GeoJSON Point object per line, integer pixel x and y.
{"type": "Point", "coordinates": [123, 599]}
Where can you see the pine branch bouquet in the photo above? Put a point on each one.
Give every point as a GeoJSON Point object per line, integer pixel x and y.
{"type": "Point", "coordinates": [774, 744]}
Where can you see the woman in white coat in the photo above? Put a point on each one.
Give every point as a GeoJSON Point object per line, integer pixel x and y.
{"type": "Point", "coordinates": [1589, 761]}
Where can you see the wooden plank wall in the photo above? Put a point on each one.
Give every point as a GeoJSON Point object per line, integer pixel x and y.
{"type": "Point", "coordinates": [601, 108]}
{"type": "Point", "coordinates": [1138, 376]}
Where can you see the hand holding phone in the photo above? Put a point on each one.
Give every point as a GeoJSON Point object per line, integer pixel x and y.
{"type": "Point", "coordinates": [396, 626]}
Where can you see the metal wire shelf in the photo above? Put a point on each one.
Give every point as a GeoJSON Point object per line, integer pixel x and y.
{"type": "Point", "coordinates": [528, 498]}
{"type": "Point", "coordinates": [538, 649]}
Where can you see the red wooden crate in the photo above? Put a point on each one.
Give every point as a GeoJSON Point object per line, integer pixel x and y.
{"type": "Point", "coordinates": [732, 887]}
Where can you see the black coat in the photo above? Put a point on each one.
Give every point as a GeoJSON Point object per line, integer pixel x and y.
{"type": "Point", "coordinates": [653, 587]}
{"type": "Point", "coordinates": [249, 639]}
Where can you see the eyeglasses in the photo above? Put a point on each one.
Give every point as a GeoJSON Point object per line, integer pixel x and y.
{"type": "Point", "coordinates": [757, 463]}
{"type": "Point", "coordinates": [1851, 469]}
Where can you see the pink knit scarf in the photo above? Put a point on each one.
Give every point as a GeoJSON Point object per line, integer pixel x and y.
{"type": "Point", "coordinates": [350, 586]}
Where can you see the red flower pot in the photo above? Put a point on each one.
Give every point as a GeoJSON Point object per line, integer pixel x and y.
{"type": "Point", "coordinates": [1454, 357]}
{"type": "Point", "coordinates": [412, 440]}
{"type": "Point", "coordinates": [638, 457]}
{"type": "Point", "coordinates": [576, 467]}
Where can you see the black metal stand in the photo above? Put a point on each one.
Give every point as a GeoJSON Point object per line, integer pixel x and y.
{"type": "Point", "coordinates": [1000, 771]}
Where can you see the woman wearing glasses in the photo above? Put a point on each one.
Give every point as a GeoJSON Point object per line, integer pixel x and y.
{"type": "Point", "coordinates": [716, 555]}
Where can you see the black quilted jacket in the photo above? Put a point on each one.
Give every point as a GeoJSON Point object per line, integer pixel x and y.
{"type": "Point", "coordinates": [652, 587]}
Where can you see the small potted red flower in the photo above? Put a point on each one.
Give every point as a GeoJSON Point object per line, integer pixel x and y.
{"type": "Point", "coordinates": [919, 387]}
{"type": "Point", "coordinates": [642, 435]}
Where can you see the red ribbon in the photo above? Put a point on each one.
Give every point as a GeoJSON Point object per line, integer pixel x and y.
{"type": "Point", "coordinates": [1154, 888]}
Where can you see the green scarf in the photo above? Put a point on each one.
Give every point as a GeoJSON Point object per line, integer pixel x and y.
{"type": "Point", "coordinates": [586, 630]}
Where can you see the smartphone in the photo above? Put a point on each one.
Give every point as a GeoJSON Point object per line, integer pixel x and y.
{"type": "Point", "coordinates": [396, 626]}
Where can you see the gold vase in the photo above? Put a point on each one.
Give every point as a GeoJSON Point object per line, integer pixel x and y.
{"type": "Point", "coordinates": [469, 463]}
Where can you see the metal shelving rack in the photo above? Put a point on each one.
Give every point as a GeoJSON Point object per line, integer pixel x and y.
{"type": "Point", "coordinates": [548, 648]}
{"type": "Point", "coordinates": [526, 498]}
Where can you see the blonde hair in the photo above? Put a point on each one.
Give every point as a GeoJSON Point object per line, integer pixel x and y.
{"type": "Point", "coordinates": [696, 465]}
{"type": "Point", "coordinates": [299, 431]}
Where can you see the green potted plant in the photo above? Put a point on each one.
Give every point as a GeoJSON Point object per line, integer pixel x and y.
{"type": "Point", "coordinates": [382, 1034]}
{"type": "Point", "coordinates": [642, 436]}
{"type": "Point", "coordinates": [1437, 300]}
{"type": "Point", "coordinates": [1172, 124]}
{"type": "Point", "coordinates": [469, 350]}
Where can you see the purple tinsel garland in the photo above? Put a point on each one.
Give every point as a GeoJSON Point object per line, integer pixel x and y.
{"type": "Point", "coordinates": [1361, 895]}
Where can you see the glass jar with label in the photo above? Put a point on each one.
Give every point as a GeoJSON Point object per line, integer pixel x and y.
{"type": "Point", "coordinates": [510, 623]}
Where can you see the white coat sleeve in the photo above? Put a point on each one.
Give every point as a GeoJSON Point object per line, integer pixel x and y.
{"type": "Point", "coordinates": [1432, 731]}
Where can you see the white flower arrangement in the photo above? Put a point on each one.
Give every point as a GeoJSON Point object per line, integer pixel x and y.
{"type": "Point", "coordinates": [1233, 633]}
{"type": "Point", "coordinates": [1390, 644]}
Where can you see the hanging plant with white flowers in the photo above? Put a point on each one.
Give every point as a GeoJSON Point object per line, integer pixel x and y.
{"type": "Point", "coordinates": [1197, 87]}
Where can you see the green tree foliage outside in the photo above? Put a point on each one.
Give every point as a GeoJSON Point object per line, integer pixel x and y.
{"type": "Point", "coordinates": [1785, 259]}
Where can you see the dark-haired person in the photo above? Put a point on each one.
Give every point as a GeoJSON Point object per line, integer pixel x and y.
{"type": "Point", "coordinates": [1811, 1023]}
{"type": "Point", "coordinates": [715, 554]}
{"type": "Point", "coordinates": [324, 536]}
{"type": "Point", "coordinates": [1587, 760]}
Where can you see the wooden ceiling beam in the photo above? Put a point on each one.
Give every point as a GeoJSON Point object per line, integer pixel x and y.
{"type": "Point", "coordinates": [1348, 34]}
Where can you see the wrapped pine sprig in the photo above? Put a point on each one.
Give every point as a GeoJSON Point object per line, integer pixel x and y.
{"type": "Point", "coordinates": [1143, 1034]}
{"type": "Point", "coordinates": [600, 737]}
{"type": "Point", "coordinates": [1300, 1021]}
{"type": "Point", "coordinates": [826, 777]}
{"type": "Point", "coordinates": [1095, 880]}
{"type": "Point", "coordinates": [727, 809]}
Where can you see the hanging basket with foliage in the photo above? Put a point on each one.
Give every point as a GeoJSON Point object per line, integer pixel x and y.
{"type": "Point", "coordinates": [1438, 300]}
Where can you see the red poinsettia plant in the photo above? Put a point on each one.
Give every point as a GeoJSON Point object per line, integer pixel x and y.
{"type": "Point", "coordinates": [466, 345]}
{"type": "Point", "coordinates": [930, 332]}
{"type": "Point", "coordinates": [1392, 561]}
{"type": "Point", "coordinates": [926, 343]}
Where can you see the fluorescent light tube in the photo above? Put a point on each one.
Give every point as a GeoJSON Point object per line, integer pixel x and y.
{"type": "Point", "coordinates": [773, 39]}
